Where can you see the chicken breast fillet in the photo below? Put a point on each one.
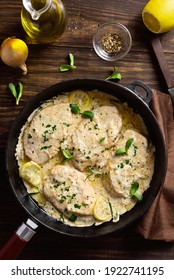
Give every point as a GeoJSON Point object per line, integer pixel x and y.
{"type": "Point", "coordinates": [133, 166]}
{"type": "Point", "coordinates": [93, 139]}
{"type": "Point", "coordinates": [44, 133]}
{"type": "Point", "coordinates": [69, 191]}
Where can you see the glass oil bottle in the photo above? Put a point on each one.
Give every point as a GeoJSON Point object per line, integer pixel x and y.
{"type": "Point", "coordinates": [43, 20]}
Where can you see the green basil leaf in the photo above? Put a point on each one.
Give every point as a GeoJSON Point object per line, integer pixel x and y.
{"type": "Point", "coordinates": [67, 154]}
{"type": "Point", "coordinates": [88, 114]}
{"type": "Point", "coordinates": [20, 92]}
{"type": "Point", "coordinates": [71, 58]}
{"type": "Point", "coordinates": [65, 67]}
{"type": "Point", "coordinates": [16, 91]}
{"type": "Point", "coordinates": [120, 151]}
{"type": "Point", "coordinates": [75, 108]}
{"type": "Point", "coordinates": [128, 144]}
{"type": "Point", "coordinates": [13, 89]}
{"type": "Point", "coordinates": [134, 188]}
{"type": "Point", "coordinates": [133, 191]}
{"type": "Point", "coordinates": [138, 196]}
{"type": "Point", "coordinates": [115, 75]}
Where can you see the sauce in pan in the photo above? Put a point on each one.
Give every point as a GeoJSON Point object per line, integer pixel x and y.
{"type": "Point", "coordinates": [85, 157]}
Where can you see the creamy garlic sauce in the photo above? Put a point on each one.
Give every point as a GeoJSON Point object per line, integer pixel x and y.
{"type": "Point", "coordinates": [77, 158]}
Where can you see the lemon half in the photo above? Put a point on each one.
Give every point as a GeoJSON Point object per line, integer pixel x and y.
{"type": "Point", "coordinates": [80, 98]}
{"type": "Point", "coordinates": [158, 15]}
{"type": "Point", "coordinates": [31, 173]}
{"type": "Point", "coordinates": [102, 210]}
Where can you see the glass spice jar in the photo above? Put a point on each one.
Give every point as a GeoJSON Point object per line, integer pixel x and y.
{"type": "Point", "coordinates": [112, 41]}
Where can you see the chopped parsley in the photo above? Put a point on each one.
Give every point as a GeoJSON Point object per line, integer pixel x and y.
{"type": "Point", "coordinates": [77, 206]}
{"type": "Point", "coordinates": [72, 218]}
{"type": "Point", "coordinates": [102, 139]}
{"type": "Point", "coordinates": [45, 147]}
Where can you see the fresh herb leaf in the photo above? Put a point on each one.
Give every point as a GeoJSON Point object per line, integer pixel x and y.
{"type": "Point", "coordinates": [77, 206]}
{"type": "Point", "coordinates": [16, 91]}
{"type": "Point", "coordinates": [71, 58]}
{"type": "Point", "coordinates": [138, 196]}
{"type": "Point", "coordinates": [73, 218]}
{"type": "Point", "coordinates": [115, 75]}
{"type": "Point", "coordinates": [67, 67]}
{"type": "Point", "coordinates": [133, 191]}
{"type": "Point", "coordinates": [120, 151]}
{"type": "Point", "coordinates": [128, 144]}
{"type": "Point", "coordinates": [88, 114]}
{"type": "Point", "coordinates": [13, 89]}
{"type": "Point", "coordinates": [20, 91]}
{"type": "Point", "coordinates": [75, 108]}
{"type": "Point", "coordinates": [67, 154]}
{"type": "Point", "coordinates": [134, 188]}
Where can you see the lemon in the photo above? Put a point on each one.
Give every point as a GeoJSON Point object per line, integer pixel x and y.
{"type": "Point", "coordinates": [158, 15]}
{"type": "Point", "coordinates": [102, 209]}
{"type": "Point", "coordinates": [80, 98]}
{"type": "Point", "coordinates": [40, 198]}
{"type": "Point", "coordinates": [31, 173]}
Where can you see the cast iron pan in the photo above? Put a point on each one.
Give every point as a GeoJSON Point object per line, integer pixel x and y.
{"type": "Point", "coordinates": [36, 214]}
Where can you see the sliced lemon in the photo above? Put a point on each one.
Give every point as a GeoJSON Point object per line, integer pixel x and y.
{"type": "Point", "coordinates": [80, 98]}
{"type": "Point", "coordinates": [102, 209]}
{"type": "Point", "coordinates": [31, 173]}
{"type": "Point", "coordinates": [40, 198]}
{"type": "Point", "coordinates": [158, 15]}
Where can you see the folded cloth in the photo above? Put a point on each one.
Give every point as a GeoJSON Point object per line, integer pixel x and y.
{"type": "Point", "coordinates": [158, 222]}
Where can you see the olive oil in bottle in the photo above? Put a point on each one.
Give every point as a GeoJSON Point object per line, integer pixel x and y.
{"type": "Point", "coordinates": [43, 20]}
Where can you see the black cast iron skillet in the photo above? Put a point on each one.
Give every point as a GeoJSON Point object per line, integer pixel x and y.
{"type": "Point", "coordinates": [36, 214]}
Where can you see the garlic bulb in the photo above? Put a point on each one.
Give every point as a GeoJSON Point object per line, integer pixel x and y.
{"type": "Point", "coordinates": [14, 52]}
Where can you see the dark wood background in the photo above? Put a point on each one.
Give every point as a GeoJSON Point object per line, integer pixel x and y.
{"type": "Point", "coordinates": [43, 62]}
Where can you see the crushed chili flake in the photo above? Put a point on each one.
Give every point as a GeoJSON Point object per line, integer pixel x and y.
{"type": "Point", "coordinates": [111, 43]}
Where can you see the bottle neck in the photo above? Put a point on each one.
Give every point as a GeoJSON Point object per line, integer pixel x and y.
{"type": "Point", "coordinates": [36, 8]}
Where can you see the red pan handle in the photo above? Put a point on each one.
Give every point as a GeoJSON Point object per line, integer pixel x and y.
{"type": "Point", "coordinates": [18, 240]}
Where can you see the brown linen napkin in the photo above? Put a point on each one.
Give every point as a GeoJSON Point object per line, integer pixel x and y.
{"type": "Point", "coordinates": [158, 222]}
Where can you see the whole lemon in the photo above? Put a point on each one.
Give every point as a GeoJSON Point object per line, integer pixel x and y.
{"type": "Point", "coordinates": [158, 15]}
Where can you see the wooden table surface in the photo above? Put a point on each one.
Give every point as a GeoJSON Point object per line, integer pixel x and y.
{"type": "Point", "coordinates": [43, 62]}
